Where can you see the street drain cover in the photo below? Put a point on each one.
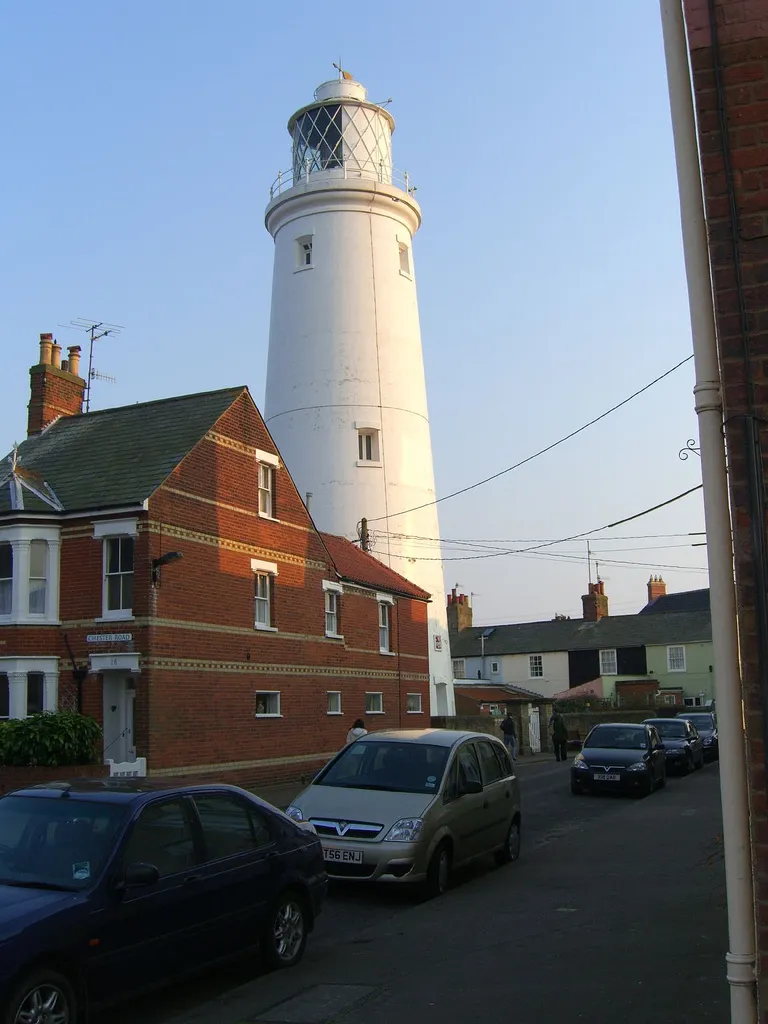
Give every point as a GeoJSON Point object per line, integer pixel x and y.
{"type": "Point", "coordinates": [317, 1005]}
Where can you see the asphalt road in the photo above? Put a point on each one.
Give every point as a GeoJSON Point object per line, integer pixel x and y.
{"type": "Point", "coordinates": [615, 912]}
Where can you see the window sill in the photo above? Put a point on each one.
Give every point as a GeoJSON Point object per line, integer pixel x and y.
{"type": "Point", "coordinates": [334, 636]}
{"type": "Point", "coordinates": [263, 515]}
{"type": "Point", "coordinates": [335, 714]}
{"type": "Point", "coordinates": [115, 618]}
{"type": "Point", "coordinates": [28, 620]}
{"type": "Point", "coordinates": [300, 270]}
{"type": "Point", "coordinates": [677, 671]}
{"type": "Point", "coordinates": [267, 715]}
{"type": "Point", "coordinates": [406, 275]}
{"type": "Point", "coordinates": [374, 712]}
{"type": "Point", "coordinates": [414, 712]}
{"type": "Point", "coordinates": [368, 464]}
{"type": "Point", "coordinates": [388, 654]}
{"type": "Point", "coordinates": [265, 629]}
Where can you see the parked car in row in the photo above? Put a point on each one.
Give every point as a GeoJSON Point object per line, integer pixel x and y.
{"type": "Point", "coordinates": [683, 747]}
{"type": "Point", "coordinates": [621, 757]}
{"type": "Point", "coordinates": [108, 887]}
{"type": "Point", "coordinates": [706, 726]}
{"type": "Point", "coordinates": [410, 806]}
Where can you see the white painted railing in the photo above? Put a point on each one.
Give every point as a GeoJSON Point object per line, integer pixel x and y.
{"type": "Point", "coordinates": [349, 169]}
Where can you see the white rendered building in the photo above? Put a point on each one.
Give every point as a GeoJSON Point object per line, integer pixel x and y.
{"type": "Point", "coordinates": [346, 398]}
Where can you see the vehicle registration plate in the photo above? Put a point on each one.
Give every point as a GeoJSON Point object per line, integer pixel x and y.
{"type": "Point", "coordinates": [606, 777]}
{"type": "Point", "coordinates": [343, 856]}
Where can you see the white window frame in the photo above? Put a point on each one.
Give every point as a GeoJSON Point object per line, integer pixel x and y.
{"type": "Point", "coordinates": [39, 579]}
{"type": "Point", "coordinates": [495, 668]}
{"type": "Point", "coordinates": [385, 600]}
{"type": "Point", "coordinates": [419, 710]}
{"type": "Point", "coordinates": [328, 695]}
{"type": "Point", "coordinates": [693, 702]}
{"type": "Point", "coordinates": [610, 671]}
{"type": "Point", "coordinates": [115, 614]}
{"type": "Point", "coordinates": [459, 666]}
{"type": "Point", "coordinates": [535, 661]}
{"type": "Point", "coordinates": [304, 245]}
{"type": "Point", "coordinates": [20, 539]}
{"type": "Point", "coordinates": [332, 590]}
{"type": "Point", "coordinates": [17, 670]}
{"type": "Point", "coordinates": [380, 695]}
{"type": "Point", "coordinates": [270, 464]}
{"type": "Point", "coordinates": [670, 649]}
{"type": "Point", "coordinates": [105, 530]}
{"type": "Point", "coordinates": [269, 694]}
{"type": "Point", "coordinates": [366, 428]}
{"type": "Point", "coordinates": [269, 570]}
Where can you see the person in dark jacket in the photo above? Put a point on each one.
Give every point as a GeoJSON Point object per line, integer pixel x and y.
{"type": "Point", "coordinates": [559, 736]}
{"type": "Point", "coordinates": [509, 729]}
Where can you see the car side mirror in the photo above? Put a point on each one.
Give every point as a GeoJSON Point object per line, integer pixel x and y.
{"type": "Point", "coordinates": [470, 786]}
{"type": "Point", "coordinates": [139, 874]}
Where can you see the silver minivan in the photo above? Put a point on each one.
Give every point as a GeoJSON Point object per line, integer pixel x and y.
{"type": "Point", "coordinates": [409, 806]}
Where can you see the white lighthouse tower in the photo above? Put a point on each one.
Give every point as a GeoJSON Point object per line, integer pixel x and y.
{"type": "Point", "coordinates": [346, 398]}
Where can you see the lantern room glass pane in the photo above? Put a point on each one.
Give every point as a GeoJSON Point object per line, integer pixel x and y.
{"type": "Point", "coordinates": [317, 141]}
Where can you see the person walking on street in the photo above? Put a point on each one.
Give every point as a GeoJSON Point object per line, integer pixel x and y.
{"type": "Point", "coordinates": [509, 729]}
{"type": "Point", "coordinates": [358, 729]}
{"type": "Point", "coordinates": [559, 736]}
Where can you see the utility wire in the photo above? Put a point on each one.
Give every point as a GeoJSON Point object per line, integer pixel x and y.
{"type": "Point", "coordinates": [562, 540]}
{"type": "Point", "coordinates": [543, 451]}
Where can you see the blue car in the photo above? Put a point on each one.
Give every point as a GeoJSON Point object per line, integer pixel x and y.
{"type": "Point", "coordinates": [109, 885]}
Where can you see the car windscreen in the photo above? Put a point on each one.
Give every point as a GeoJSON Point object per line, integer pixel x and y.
{"type": "Point", "coordinates": [704, 723]}
{"type": "Point", "coordinates": [616, 737]}
{"type": "Point", "coordinates": [391, 766]}
{"type": "Point", "coordinates": [55, 843]}
{"type": "Point", "coordinates": [671, 729]}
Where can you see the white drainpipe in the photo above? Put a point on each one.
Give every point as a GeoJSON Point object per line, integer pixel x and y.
{"type": "Point", "coordinates": [740, 958]}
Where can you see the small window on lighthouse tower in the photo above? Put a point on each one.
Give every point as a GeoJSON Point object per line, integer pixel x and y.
{"type": "Point", "coordinates": [368, 445]}
{"type": "Point", "coordinates": [405, 259]}
{"type": "Point", "coordinates": [304, 252]}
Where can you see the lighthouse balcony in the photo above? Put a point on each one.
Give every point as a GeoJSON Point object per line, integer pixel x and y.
{"type": "Point", "coordinates": [342, 170]}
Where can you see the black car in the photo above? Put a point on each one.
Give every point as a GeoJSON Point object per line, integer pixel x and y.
{"type": "Point", "coordinates": [706, 726]}
{"type": "Point", "coordinates": [620, 757]}
{"type": "Point", "coordinates": [109, 887]}
{"type": "Point", "coordinates": [683, 747]}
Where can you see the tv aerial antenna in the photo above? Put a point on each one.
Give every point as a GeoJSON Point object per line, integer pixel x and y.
{"type": "Point", "coordinates": [95, 329]}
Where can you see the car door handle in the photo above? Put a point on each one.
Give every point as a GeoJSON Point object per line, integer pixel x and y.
{"type": "Point", "coordinates": [192, 879]}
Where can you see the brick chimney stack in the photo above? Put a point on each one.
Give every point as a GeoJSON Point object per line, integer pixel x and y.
{"type": "Point", "coordinates": [595, 603]}
{"type": "Point", "coordinates": [656, 588]}
{"type": "Point", "coordinates": [459, 612]}
{"type": "Point", "coordinates": [55, 390]}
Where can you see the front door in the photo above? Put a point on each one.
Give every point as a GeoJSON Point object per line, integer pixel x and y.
{"type": "Point", "coordinates": [119, 693]}
{"type": "Point", "coordinates": [534, 729]}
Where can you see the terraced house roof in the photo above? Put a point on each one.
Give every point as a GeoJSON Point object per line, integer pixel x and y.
{"type": "Point", "coordinates": [580, 635]}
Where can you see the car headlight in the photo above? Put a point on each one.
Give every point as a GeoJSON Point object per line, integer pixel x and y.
{"type": "Point", "coordinates": [579, 762]}
{"type": "Point", "coordinates": [295, 813]}
{"type": "Point", "coordinates": [407, 830]}
{"type": "Point", "coordinates": [708, 741]}
{"type": "Point", "coordinates": [638, 766]}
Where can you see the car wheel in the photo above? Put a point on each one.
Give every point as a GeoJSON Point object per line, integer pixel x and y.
{"type": "Point", "coordinates": [700, 762]}
{"type": "Point", "coordinates": [576, 788]}
{"type": "Point", "coordinates": [285, 933]}
{"type": "Point", "coordinates": [663, 778]}
{"type": "Point", "coordinates": [511, 849]}
{"type": "Point", "coordinates": [43, 995]}
{"type": "Point", "coordinates": [439, 872]}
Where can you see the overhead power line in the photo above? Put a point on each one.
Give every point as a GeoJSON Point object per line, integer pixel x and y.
{"type": "Point", "coordinates": [543, 451]}
{"type": "Point", "coordinates": [562, 540]}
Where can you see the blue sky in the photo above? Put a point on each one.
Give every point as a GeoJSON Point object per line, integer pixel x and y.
{"type": "Point", "coordinates": [138, 151]}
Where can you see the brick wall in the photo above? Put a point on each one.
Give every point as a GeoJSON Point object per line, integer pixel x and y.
{"type": "Point", "coordinates": [202, 662]}
{"type": "Point", "coordinates": [738, 242]}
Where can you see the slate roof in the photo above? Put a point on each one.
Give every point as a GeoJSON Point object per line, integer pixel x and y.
{"type": "Point", "coordinates": [578, 635]}
{"type": "Point", "coordinates": [359, 567]}
{"type": "Point", "coordinates": [685, 601]}
{"type": "Point", "coordinates": [116, 457]}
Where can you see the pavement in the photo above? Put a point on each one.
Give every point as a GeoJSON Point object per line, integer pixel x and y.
{"type": "Point", "coordinates": [614, 913]}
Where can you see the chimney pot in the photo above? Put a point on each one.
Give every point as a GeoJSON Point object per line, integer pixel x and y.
{"type": "Point", "coordinates": [56, 355]}
{"type": "Point", "coordinates": [74, 359]}
{"type": "Point", "coordinates": [46, 342]}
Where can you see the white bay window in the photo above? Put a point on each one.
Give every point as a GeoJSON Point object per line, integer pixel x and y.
{"type": "Point", "coordinates": [29, 574]}
{"type": "Point", "coordinates": [28, 686]}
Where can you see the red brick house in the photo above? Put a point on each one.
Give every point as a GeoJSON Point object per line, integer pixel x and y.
{"type": "Point", "coordinates": [159, 570]}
